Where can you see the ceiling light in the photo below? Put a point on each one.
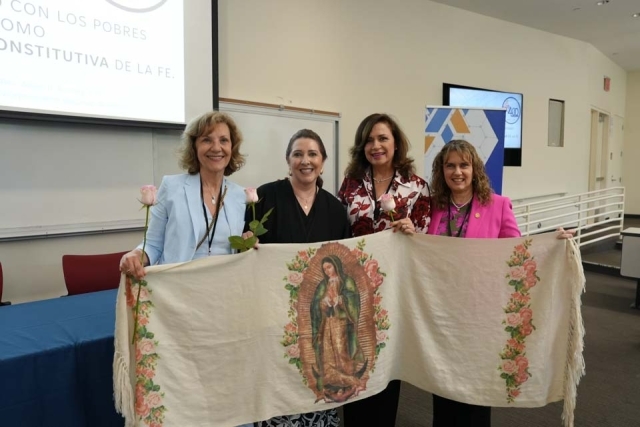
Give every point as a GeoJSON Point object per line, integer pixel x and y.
{"type": "Point", "coordinates": [636, 15]}
{"type": "Point", "coordinates": [601, 2]}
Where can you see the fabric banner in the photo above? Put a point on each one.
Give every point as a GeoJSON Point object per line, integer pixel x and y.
{"type": "Point", "coordinates": [290, 329]}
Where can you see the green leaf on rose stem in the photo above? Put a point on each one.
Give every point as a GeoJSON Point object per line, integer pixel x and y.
{"type": "Point", "coordinates": [250, 242]}
{"type": "Point", "coordinates": [260, 230]}
{"type": "Point", "coordinates": [266, 216]}
{"type": "Point", "coordinates": [237, 242]}
{"type": "Point", "coordinates": [288, 286]}
{"type": "Point", "coordinates": [253, 225]}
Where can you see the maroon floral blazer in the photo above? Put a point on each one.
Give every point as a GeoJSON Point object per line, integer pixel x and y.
{"type": "Point", "coordinates": [411, 197]}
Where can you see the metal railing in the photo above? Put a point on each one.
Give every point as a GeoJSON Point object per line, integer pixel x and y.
{"type": "Point", "coordinates": [597, 215]}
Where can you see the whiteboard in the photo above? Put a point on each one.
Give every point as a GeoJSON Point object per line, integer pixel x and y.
{"type": "Point", "coordinates": [63, 179]}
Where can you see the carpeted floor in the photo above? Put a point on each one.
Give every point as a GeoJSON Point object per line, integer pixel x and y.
{"type": "Point", "coordinates": [609, 394]}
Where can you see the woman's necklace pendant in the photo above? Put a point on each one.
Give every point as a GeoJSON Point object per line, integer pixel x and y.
{"type": "Point", "coordinates": [213, 200]}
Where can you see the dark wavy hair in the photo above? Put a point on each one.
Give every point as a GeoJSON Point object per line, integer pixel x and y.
{"type": "Point", "coordinates": [441, 193]}
{"type": "Point", "coordinates": [203, 125]}
{"type": "Point", "coordinates": [308, 133]}
{"type": "Point", "coordinates": [358, 165]}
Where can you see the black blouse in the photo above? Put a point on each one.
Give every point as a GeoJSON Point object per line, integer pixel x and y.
{"type": "Point", "coordinates": [327, 219]}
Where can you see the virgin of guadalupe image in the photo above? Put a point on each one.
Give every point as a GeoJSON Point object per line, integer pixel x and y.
{"type": "Point", "coordinates": [335, 310]}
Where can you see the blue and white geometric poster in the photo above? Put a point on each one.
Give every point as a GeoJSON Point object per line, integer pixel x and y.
{"type": "Point", "coordinates": [482, 127]}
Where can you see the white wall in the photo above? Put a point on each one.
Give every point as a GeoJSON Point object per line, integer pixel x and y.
{"type": "Point", "coordinates": [631, 171]}
{"type": "Point", "coordinates": [363, 56]}
{"type": "Point", "coordinates": [366, 56]}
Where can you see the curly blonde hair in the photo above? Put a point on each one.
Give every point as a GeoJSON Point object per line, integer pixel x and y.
{"type": "Point", "coordinates": [202, 125]}
{"type": "Point", "coordinates": [441, 193]}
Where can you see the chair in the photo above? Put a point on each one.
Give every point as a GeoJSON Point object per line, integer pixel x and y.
{"type": "Point", "coordinates": [5, 302]}
{"type": "Point", "coordinates": [91, 273]}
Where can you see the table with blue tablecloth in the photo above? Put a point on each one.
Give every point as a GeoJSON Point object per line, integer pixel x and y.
{"type": "Point", "coordinates": [56, 362]}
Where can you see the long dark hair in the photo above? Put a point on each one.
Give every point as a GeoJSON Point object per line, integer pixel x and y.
{"type": "Point", "coordinates": [480, 182]}
{"type": "Point", "coordinates": [308, 133]}
{"type": "Point", "coordinates": [358, 165]}
{"type": "Point", "coordinates": [337, 265]}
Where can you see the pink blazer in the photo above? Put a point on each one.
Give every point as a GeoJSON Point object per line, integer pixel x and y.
{"type": "Point", "coordinates": [495, 220]}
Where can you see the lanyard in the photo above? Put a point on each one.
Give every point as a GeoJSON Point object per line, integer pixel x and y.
{"type": "Point", "coordinates": [465, 220]}
{"type": "Point", "coordinates": [206, 218]}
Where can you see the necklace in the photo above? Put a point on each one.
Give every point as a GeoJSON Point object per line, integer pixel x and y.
{"type": "Point", "coordinates": [383, 179]}
{"type": "Point", "coordinates": [462, 205]}
{"type": "Point", "coordinates": [305, 201]}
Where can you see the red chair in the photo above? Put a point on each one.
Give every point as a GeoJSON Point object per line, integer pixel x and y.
{"type": "Point", "coordinates": [91, 273]}
{"type": "Point", "coordinates": [6, 302]}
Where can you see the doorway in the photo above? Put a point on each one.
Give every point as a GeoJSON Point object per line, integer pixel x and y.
{"type": "Point", "coordinates": [599, 156]}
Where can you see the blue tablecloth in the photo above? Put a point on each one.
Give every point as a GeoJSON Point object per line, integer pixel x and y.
{"type": "Point", "coordinates": [56, 362]}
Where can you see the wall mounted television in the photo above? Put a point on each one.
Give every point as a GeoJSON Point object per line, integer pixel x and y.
{"type": "Point", "coordinates": [467, 96]}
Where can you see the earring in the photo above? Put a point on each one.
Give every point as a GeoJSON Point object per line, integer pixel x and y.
{"type": "Point", "coordinates": [321, 171]}
{"type": "Point", "coordinates": [290, 172]}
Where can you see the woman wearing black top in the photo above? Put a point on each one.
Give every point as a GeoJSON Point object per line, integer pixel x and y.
{"type": "Point", "coordinates": [302, 213]}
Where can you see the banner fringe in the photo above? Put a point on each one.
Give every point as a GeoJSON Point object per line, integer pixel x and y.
{"type": "Point", "coordinates": [575, 367]}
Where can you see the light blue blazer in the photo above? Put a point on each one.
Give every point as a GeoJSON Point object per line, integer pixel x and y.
{"type": "Point", "coordinates": [175, 219]}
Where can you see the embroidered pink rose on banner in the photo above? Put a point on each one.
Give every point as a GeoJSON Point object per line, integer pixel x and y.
{"type": "Point", "coordinates": [146, 346]}
{"type": "Point", "coordinates": [295, 278]}
{"type": "Point", "coordinates": [514, 368]}
{"type": "Point", "coordinates": [293, 351]}
{"type": "Point", "coordinates": [509, 366]}
{"type": "Point", "coordinates": [381, 336]}
{"type": "Point", "coordinates": [518, 273]}
{"type": "Point", "coordinates": [371, 267]}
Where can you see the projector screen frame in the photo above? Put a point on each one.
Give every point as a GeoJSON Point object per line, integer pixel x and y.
{"type": "Point", "coordinates": [512, 156]}
{"type": "Point", "coordinates": [79, 119]}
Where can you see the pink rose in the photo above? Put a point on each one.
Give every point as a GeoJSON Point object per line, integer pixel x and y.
{"type": "Point", "coordinates": [521, 298]}
{"type": "Point", "coordinates": [514, 392]}
{"type": "Point", "coordinates": [527, 329]}
{"type": "Point", "coordinates": [144, 294]}
{"type": "Point", "coordinates": [387, 203]}
{"type": "Point", "coordinates": [516, 345]}
{"type": "Point", "coordinates": [146, 346]}
{"type": "Point", "coordinates": [251, 195]}
{"type": "Point", "coordinates": [303, 255]}
{"type": "Point", "coordinates": [530, 266]}
{"type": "Point", "coordinates": [522, 377]}
{"type": "Point", "coordinates": [138, 355]}
{"type": "Point", "coordinates": [376, 281]}
{"type": "Point", "coordinates": [509, 367]}
{"type": "Point", "coordinates": [377, 299]}
{"type": "Point", "coordinates": [154, 399]}
{"type": "Point", "coordinates": [142, 408]}
{"type": "Point", "coordinates": [290, 327]}
{"type": "Point", "coordinates": [513, 319]}
{"type": "Point", "coordinates": [520, 249]}
{"type": "Point", "coordinates": [522, 362]}
{"type": "Point", "coordinates": [293, 351]}
{"type": "Point", "coordinates": [143, 321]}
{"type": "Point", "coordinates": [371, 267]}
{"type": "Point", "coordinates": [526, 314]}
{"type": "Point", "coordinates": [530, 282]}
{"type": "Point", "coordinates": [518, 273]}
{"type": "Point", "coordinates": [148, 195]}
{"type": "Point", "coordinates": [295, 278]}
{"type": "Point", "coordinates": [381, 336]}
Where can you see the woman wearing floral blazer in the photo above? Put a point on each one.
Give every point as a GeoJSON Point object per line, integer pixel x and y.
{"type": "Point", "coordinates": [379, 165]}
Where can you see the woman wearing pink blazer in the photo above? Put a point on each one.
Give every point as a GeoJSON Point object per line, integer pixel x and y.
{"type": "Point", "coordinates": [463, 205]}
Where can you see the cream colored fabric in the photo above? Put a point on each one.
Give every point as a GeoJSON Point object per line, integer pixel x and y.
{"type": "Point", "coordinates": [222, 342]}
